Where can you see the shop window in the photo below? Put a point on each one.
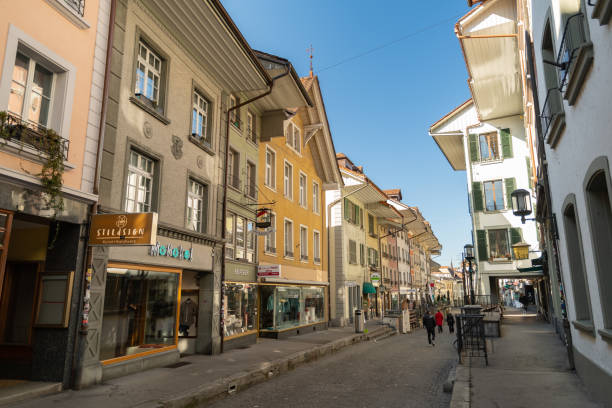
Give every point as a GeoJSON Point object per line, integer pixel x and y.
{"type": "Point", "coordinates": [284, 307]}
{"type": "Point", "coordinates": [240, 312]}
{"type": "Point", "coordinates": [54, 299]}
{"type": "Point", "coordinates": [140, 311]}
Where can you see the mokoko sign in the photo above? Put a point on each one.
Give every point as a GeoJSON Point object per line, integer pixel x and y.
{"type": "Point", "coordinates": [172, 251]}
{"type": "Point", "coordinates": [123, 229]}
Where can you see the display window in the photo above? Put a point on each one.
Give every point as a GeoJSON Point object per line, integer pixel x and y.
{"type": "Point", "coordinates": [285, 307]}
{"type": "Point", "coordinates": [240, 308]}
{"type": "Point", "coordinates": [188, 316]}
{"type": "Point", "coordinates": [141, 311]}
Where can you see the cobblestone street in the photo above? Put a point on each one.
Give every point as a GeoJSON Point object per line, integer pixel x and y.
{"type": "Point", "coordinates": [400, 371]}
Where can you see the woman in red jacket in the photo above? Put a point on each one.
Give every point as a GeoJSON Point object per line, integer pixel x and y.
{"type": "Point", "coordinates": [439, 320]}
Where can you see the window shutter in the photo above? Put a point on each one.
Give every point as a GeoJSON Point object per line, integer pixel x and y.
{"type": "Point", "coordinates": [515, 235]}
{"type": "Point", "coordinates": [361, 217]}
{"type": "Point", "coordinates": [477, 194]}
{"type": "Point", "coordinates": [481, 241]}
{"type": "Point", "coordinates": [506, 141]}
{"type": "Point", "coordinates": [510, 187]}
{"type": "Point", "coordinates": [528, 162]}
{"type": "Point", "coordinates": [346, 209]}
{"type": "Point", "coordinates": [473, 145]}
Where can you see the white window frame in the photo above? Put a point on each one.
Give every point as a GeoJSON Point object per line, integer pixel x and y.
{"type": "Point", "coordinates": [234, 116]}
{"type": "Point", "coordinates": [229, 246]}
{"type": "Point", "coordinates": [63, 95]}
{"type": "Point", "coordinates": [303, 196]}
{"type": "Point", "coordinates": [251, 179]}
{"type": "Point", "coordinates": [196, 198]}
{"type": "Point", "coordinates": [251, 134]}
{"type": "Point", "coordinates": [289, 134]}
{"type": "Point", "coordinates": [316, 246]}
{"type": "Point", "coordinates": [288, 180]}
{"type": "Point", "coordinates": [316, 197]}
{"type": "Point", "coordinates": [196, 109]}
{"type": "Point", "coordinates": [270, 175]}
{"type": "Point", "coordinates": [149, 69]}
{"type": "Point", "coordinates": [270, 238]}
{"type": "Point", "coordinates": [297, 139]}
{"type": "Point", "coordinates": [137, 206]}
{"type": "Point", "coordinates": [233, 168]}
{"type": "Point", "coordinates": [497, 142]}
{"type": "Point", "coordinates": [303, 245]}
{"type": "Point", "coordinates": [251, 253]}
{"type": "Point", "coordinates": [288, 239]}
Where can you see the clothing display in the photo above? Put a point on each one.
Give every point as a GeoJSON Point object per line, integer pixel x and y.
{"type": "Point", "coordinates": [189, 312]}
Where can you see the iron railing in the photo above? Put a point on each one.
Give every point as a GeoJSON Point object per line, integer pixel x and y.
{"type": "Point", "coordinates": [553, 105]}
{"type": "Point", "coordinates": [471, 337]}
{"type": "Point", "coordinates": [77, 5]}
{"type": "Point", "coordinates": [574, 36]}
{"type": "Point", "coordinates": [31, 134]}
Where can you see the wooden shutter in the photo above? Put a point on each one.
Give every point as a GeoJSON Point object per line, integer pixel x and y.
{"type": "Point", "coordinates": [506, 142]}
{"type": "Point", "coordinates": [510, 187]}
{"type": "Point", "coordinates": [529, 175]}
{"type": "Point", "coordinates": [473, 145]}
{"type": "Point", "coordinates": [361, 217]}
{"type": "Point", "coordinates": [515, 238]}
{"type": "Point", "coordinates": [481, 242]}
{"type": "Point", "coordinates": [477, 196]}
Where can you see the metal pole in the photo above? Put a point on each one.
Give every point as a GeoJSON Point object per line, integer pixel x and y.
{"type": "Point", "coordinates": [471, 282]}
{"type": "Point", "coordinates": [465, 292]}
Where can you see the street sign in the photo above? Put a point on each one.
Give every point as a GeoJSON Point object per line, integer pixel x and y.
{"type": "Point", "coordinates": [375, 279]}
{"type": "Point", "coordinates": [123, 229]}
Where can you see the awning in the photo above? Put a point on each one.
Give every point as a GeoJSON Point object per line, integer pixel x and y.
{"type": "Point", "coordinates": [537, 269]}
{"type": "Point", "coordinates": [368, 288]}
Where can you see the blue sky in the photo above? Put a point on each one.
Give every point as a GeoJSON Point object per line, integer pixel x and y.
{"type": "Point", "coordinates": [380, 105]}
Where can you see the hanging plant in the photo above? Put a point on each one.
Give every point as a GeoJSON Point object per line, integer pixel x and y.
{"type": "Point", "coordinates": [51, 148]}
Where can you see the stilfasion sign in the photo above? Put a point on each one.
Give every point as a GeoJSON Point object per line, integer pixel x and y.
{"type": "Point", "coordinates": [123, 229]}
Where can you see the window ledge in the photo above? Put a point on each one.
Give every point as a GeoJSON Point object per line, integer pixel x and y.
{"type": "Point", "coordinates": [270, 187]}
{"type": "Point", "coordinates": [236, 189]}
{"type": "Point", "coordinates": [252, 143]}
{"type": "Point", "coordinates": [201, 145]}
{"type": "Point", "coordinates": [492, 161]}
{"type": "Point", "coordinates": [270, 253]}
{"type": "Point", "coordinates": [584, 60]}
{"type": "Point", "coordinates": [602, 11]}
{"type": "Point", "coordinates": [605, 334]}
{"type": "Point", "coordinates": [500, 261]}
{"type": "Point", "coordinates": [584, 326]}
{"type": "Point", "coordinates": [27, 152]}
{"type": "Point", "coordinates": [149, 110]}
{"type": "Point", "coordinates": [555, 129]}
{"type": "Point", "coordinates": [495, 211]}
{"type": "Point", "coordinates": [69, 13]}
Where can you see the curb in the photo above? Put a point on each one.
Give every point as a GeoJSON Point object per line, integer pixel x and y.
{"type": "Point", "coordinates": [461, 390]}
{"type": "Point", "coordinates": [245, 379]}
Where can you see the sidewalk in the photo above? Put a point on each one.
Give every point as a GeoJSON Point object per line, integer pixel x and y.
{"type": "Point", "coordinates": [528, 367]}
{"type": "Point", "coordinates": [202, 378]}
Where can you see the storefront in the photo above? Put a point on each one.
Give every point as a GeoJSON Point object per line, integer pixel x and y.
{"type": "Point", "coordinates": [290, 309]}
{"type": "Point", "coordinates": [240, 314]}
{"type": "Point", "coordinates": [149, 305]}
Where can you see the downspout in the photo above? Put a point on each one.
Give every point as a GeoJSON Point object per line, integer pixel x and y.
{"type": "Point", "coordinates": [225, 167]}
{"type": "Point", "coordinates": [80, 334]}
{"type": "Point", "coordinates": [328, 213]}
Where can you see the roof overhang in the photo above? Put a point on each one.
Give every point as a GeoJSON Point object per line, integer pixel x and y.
{"type": "Point", "coordinates": [451, 145]}
{"type": "Point", "coordinates": [287, 91]}
{"type": "Point", "coordinates": [365, 193]}
{"type": "Point", "coordinates": [212, 39]}
{"type": "Point", "coordinates": [383, 210]}
{"type": "Point", "coordinates": [489, 41]}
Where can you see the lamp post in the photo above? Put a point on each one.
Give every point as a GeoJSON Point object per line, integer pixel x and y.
{"type": "Point", "coordinates": [469, 255]}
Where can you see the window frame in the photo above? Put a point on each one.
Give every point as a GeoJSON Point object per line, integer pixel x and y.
{"type": "Point", "coordinates": [251, 179]}
{"type": "Point", "coordinates": [206, 141]}
{"type": "Point", "coordinates": [149, 68]}
{"type": "Point", "coordinates": [497, 143]}
{"type": "Point", "coordinates": [234, 115]}
{"type": "Point", "coordinates": [503, 198]}
{"type": "Point", "coordinates": [251, 127]}
{"type": "Point", "coordinates": [287, 180]}
{"type": "Point", "coordinates": [270, 238]}
{"type": "Point", "coordinates": [233, 168]}
{"type": "Point", "coordinates": [302, 189]}
{"type": "Point", "coordinates": [508, 246]}
{"type": "Point", "coordinates": [316, 198]}
{"type": "Point", "coordinates": [139, 173]}
{"type": "Point", "coordinates": [316, 246]}
{"type": "Point", "coordinates": [270, 169]}
{"type": "Point", "coordinates": [288, 243]}
{"type": "Point", "coordinates": [203, 222]}
{"type": "Point", "coordinates": [303, 244]}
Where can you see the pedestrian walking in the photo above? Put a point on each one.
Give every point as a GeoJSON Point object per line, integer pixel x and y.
{"type": "Point", "coordinates": [525, 301]}
{"type": "Point", "coordinates": [450, 320]}
{"type": "Point", "coordinates": [439, 320]}
{"type": "Point", "coordinates": [430, 324]}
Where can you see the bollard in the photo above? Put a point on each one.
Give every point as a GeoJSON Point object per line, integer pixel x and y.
{"type": "Point", "coordinates": [358, 321]}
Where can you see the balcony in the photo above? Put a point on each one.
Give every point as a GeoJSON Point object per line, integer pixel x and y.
{"type": "Point", "coordinates": [575, 57]}
{"type": "Point", "coordinates": [553, 117]}
{"type": "Point", "coordinates": [27, 134]}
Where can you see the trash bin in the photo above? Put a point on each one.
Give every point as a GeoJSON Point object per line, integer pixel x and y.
{"type": "Point", "coordinates": [358, 321]}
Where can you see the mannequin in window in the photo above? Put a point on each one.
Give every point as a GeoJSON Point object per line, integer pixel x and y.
{"type": "Point", "coordinates": [187, 317]}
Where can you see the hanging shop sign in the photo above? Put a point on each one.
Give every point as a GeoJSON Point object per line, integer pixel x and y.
{"type": "Point", "coordinates": [172, 251]}
{"type": "Point", "coordinates": [266, 231]}
{"type": "Point", "coordinates": [375, 279]}
{"type": "Point", "coordinates": [269, 270]}
{"type": "Point", "coordinates": [123, 229]}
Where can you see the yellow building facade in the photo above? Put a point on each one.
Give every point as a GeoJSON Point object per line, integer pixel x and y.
{"type": "Point", "coordinates": [296, 167]}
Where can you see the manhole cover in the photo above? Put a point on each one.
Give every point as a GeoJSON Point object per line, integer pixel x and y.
{"type": "Point", "coordinates": [177, 365]}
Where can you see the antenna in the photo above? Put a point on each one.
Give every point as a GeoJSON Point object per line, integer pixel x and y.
{"type": "Point", "coordinates": [310, 50]}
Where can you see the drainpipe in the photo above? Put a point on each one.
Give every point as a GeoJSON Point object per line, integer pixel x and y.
{"type": "Point", "coordinates": [225, 167]}
{"type": "Point", "coordinates": [328, 211]}
{"type": "Point", "coordinates": [80, 334]}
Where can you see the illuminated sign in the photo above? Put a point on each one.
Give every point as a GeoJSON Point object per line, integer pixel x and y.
{"type": "Point", "coordinates": [172, 251]}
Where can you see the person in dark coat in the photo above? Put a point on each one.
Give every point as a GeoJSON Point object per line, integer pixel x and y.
{"type": "Point", "coordinates": [430, 324]}
{"type": "Point", "coordinates": [450, 320]}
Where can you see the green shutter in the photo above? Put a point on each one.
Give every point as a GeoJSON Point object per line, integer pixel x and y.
{"type": "Point", "coordinates": [510, 187]}
{"type": "Point", "coordinates": [515, 235]}
{"type": "Point", "coordinates": [477, 196]}
{"type": "Point", "coordinates": [361, 217]}
{"type": "Point", "coordinates": [473, 145]}
{"type": "Point", "coordinates": [347, 215]}
{"type": "Point", "coordinates": [528, 162]}
{"type": "Point", "coordinates": [506, 140]}
{"type": "Point", "coordinates": [481, 241]}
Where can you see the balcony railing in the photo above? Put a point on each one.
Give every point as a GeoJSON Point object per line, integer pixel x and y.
{"type": "Point", "coordinates": [77, 5]}
{"type": "Point", "coordinates": [553, 105]}
{"type": "Point", "coordinates": [574, 36]}
{"type": "Point", "coordinates": [30, 134]}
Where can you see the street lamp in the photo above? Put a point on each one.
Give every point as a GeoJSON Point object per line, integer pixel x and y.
{"type": "Point", "coordinates": [469, 256]}
{"type": "Point", "coordinates": [521, 203]}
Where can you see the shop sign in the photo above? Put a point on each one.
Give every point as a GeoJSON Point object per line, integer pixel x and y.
{"type": "Point", "coordinates": [269, 270]}
{"type": "Point", "coordinates": [266, 231]}
{"type": "Point", "coordinates": [123, 229]}
{"type": "Point", "coordinates": [172, 251]}
{"type": "Point", "coordinates": [375, 279]}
